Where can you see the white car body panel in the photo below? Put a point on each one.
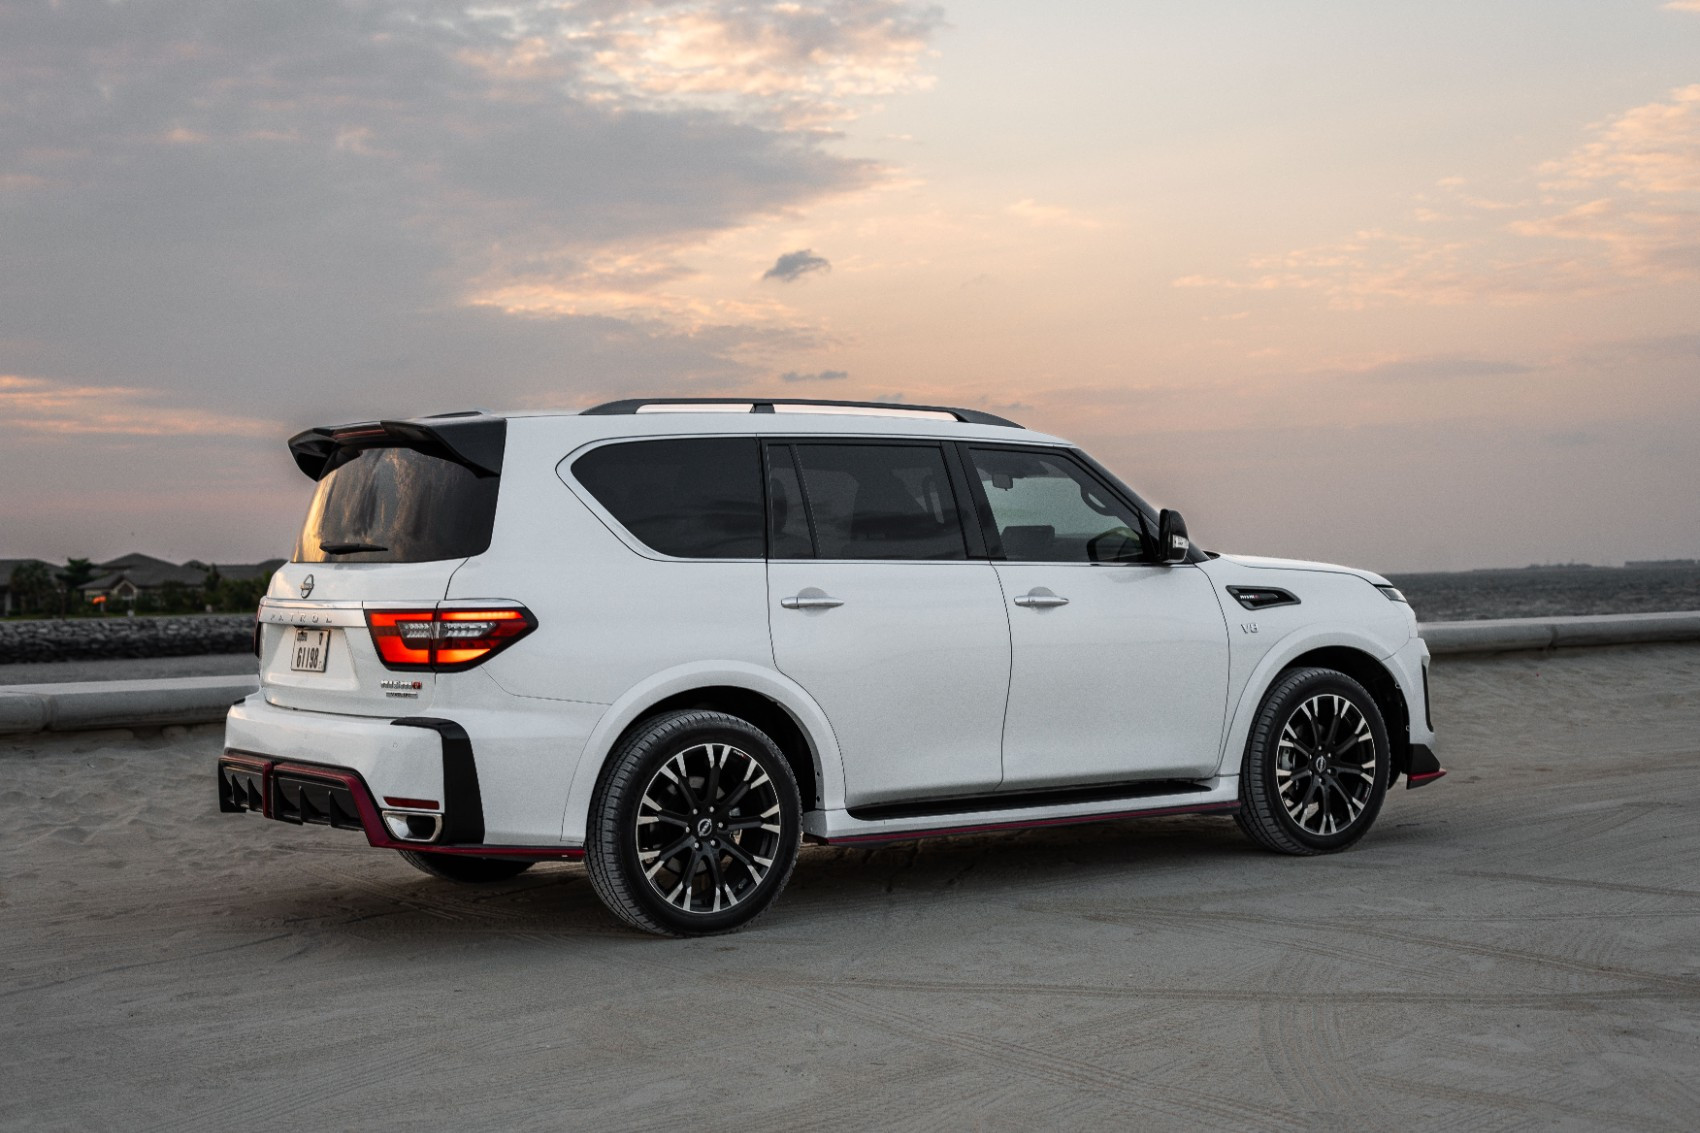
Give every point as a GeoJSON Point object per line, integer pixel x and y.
{"type": "Point", "coordinates": [637, 702]}
{"type": "Point", "coordinates": [1128, 680]}
{"type": "Point", "coordinates": [913, 668]}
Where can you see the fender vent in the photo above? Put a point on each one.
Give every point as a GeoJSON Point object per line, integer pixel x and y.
{"type": "Point", "coordinates": [1262, 597]}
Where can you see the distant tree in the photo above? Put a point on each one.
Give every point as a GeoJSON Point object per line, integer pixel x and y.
{"type": "Point", "coordinates": [34, 588]}
{"type": "Point", "coordinates": [175, 598]}
{"type": "Point", "coordinates": [77, 574]}
{"type": "Point", "coordinates": [239, 595]}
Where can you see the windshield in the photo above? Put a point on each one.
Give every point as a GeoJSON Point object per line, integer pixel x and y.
{"type": "Point", "coordinates": [396, 505]}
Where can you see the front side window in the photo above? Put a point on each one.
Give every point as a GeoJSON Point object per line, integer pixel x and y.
{"type": "Point", "coordinates": [691, 498]}
{"type": "Point", "coordinates": [865, 501]}
{"type": "Point", "coordinates": [1047, 509]}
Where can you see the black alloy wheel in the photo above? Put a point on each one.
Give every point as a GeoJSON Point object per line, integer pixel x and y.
{"type": "Point", "coordinates": [695, 827]}
{"type": "Point", "coordinates": [1316, 764]}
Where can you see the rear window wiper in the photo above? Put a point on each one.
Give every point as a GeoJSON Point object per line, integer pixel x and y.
{"type": "Point", "coordinates": [349, 548]}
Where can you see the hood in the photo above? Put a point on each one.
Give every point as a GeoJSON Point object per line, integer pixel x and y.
{"type": "Point", "coordinates": [1302, 564]}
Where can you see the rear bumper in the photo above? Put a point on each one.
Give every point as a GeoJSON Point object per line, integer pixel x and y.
{"type": "Point", "coordinates": [495, 775]}
{"type": "Point", "coordinates": [322, 795]}
{"type": "Point", "coordinates": [408, 783]}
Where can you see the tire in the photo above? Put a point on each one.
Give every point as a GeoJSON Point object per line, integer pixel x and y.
{"type": "Point", "coordinates": [1305, 787]}
{"type": "Point", "coordinates": [464, 867]}
{"type": "Point", "coordinates": [695, 825]}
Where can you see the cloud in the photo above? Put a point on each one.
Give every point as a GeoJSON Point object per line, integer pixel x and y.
{"type": "Point", "coordinates": [38, 405]}
{"type": "Point", "coordinates": [1652, 149]}
{"type": "Point", "coordinates": [300, 204]}
{"type": "Point", "coordinates": [821, 376]}
{"type": "Point", "coordinates": [1621, 210]}
{"type": "Point", "coordinates": [1048, 216]}
{"type": "Point", "coordinates": [1682, 6]}
{"type": "Point", "coordinates": [1440, 368]}
{"type": "Point", "coordinates": [803, 64]}
{"type": "Point", "coordinates": [794, 265]}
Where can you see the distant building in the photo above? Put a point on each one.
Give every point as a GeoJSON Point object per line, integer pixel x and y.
{"type": "Point", "coordinates": [244, 571]}
{"type": "Point", "coordinates": [124, 579]}
{"type": "Point", "coordinates": [8, 604]}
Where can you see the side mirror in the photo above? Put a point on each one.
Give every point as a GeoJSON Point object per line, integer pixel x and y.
{"type": "Point", "coordinates": [1172, 544]}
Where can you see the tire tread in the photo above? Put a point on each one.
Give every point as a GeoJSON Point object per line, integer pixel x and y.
{"type": "Point", "coordinates": [601, 856]}
{"type": "Point", "coordinates": [1261, 812]}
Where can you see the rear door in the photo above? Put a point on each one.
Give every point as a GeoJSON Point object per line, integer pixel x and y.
{"type": "Point", "coordinates": [878, 611]}
{"type": "Point", "coordinates": [387, 528]}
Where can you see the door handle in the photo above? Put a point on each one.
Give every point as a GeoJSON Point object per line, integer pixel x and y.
{"type": "Point", "coordinates": [1040, 598]}
{"type": "Point", "coordinates": [811, 599]}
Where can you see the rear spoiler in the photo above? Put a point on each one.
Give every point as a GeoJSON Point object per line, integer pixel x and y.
{"type": "Point", "coordinates": [474, 439]}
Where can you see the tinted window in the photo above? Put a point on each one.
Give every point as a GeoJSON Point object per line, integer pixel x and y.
{"type": "Point", "coordinates": [395, 505]}
{"type": "Point", "coordinates": [1047, 509]}
{"type": "Point", "coordinates": [874, 501]}
{"type": "Point", "coordinates": [788, 518]}
{"type": "Point", "coordinates": [696, 498]}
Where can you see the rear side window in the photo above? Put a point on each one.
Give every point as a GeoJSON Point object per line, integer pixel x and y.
{"type": "Point", "coordinates": [395, 505]}
{"type": "Point", "coordinates": [879, 501]}
{"type": "Point", "coordinates": [692, 498]}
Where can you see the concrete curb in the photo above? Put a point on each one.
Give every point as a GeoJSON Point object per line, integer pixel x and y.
{"type": "Point", "coordinates": [119, 704]}
{"type": "Point", "coordinates": [1511, 635]}
{"type": "Point", "coordinates": [204, 700]}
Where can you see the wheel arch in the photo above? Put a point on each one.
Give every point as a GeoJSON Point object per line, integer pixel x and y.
{"type": "Point", "coordinates": [1382, 686]}
{"type": "Point", "coordinates": [1345, 651]}
{"type": "Point", "coordinates": [776, 705]}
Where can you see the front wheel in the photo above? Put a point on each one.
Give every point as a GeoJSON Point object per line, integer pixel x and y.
{"type": "Point", "coordinates": [1316, 764]}
{"type": "Point", "coordinates": [695, 825]}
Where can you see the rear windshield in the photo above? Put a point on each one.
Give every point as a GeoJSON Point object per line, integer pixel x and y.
{"type": "Point", "coordinates": [395, 505]}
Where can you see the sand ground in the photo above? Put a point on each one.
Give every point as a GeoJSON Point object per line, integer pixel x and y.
{"type": "Point", "coordinates": [1517, 947]}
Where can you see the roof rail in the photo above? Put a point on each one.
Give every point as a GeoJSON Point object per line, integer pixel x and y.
{"type": "Point", "coordinates": [767, 404]}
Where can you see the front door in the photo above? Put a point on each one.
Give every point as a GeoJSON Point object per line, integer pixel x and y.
{"type": "Point", "coordinates": [1119, 667]}
{"type": "Point", "coordinates": [877, 610]}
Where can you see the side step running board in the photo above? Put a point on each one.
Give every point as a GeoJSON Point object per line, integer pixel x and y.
{"type": "Point", "coordinates": [938, 818]}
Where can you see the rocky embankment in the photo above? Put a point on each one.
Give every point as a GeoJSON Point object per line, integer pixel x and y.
{"type": "Point", "coordinates": [81, 639]}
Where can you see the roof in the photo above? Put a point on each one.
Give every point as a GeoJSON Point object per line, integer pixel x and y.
{"type": "Point", "coordinates": [147, 572]}
{"type": "Point", "coordinates": [238, 571]}
{"type": "Point", "coordinates": [580, 428]}
{"type": "Point", "coordinates": [796, 405]}
{"type": "Point", "coordinates": [8, 566]}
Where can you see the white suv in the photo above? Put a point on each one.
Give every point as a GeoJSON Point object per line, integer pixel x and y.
{"type": "Point", "coordinates": [677, 638]}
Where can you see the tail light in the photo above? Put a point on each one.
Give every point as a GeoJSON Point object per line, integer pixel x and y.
{"type": "Point", "coordinates": [445, 640]}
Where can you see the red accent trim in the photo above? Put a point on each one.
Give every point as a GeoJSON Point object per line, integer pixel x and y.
{"type": "Point", "coordinates": [377, 834]}
{"type": "Point", "coordinates": [1030, 824]}
{"type": "Point", "coordinates": [1414, 781]}
{"type": "Point", "coordinates": [413, 804]}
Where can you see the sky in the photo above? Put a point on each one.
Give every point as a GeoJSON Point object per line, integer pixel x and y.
{"type": "Point", "coordinates": [1407, 286]}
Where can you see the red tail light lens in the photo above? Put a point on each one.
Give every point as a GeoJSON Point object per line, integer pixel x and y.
{"type": "Point", "coordinates": [445, 640]}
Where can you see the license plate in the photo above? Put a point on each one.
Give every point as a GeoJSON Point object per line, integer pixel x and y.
{"type": "Point", "coordinates": [312, 648]}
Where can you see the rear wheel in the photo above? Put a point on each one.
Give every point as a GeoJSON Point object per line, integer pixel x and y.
{"type": "Point", "coordinates": [695, 825]}
{"type": "Point", "coordinates": [1316, 764]}
{"type": "Point", "coordinates": [465, 867]}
